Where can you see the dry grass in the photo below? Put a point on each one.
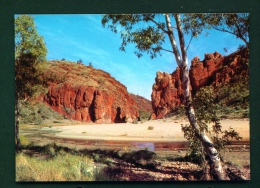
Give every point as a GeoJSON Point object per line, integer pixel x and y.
{"type": "Point", "coordinates": [63, 167]}
{"type": "Point", "coordinates": [24, 140]}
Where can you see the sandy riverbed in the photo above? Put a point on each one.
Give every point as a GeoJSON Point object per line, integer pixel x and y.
{"type": "Point", "coordinates": [163, 130]}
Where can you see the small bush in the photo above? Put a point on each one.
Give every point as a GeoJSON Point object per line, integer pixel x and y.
{"type": "Point", "coordinates": [140, 157]}
{"type": "Point", "coordinates": [135, 121]}
{"type": "Point", "coordinates": [178, 112]}
{"type": "Point", "coordinates": [79, 61]}
{"type": "Point", "coordinates": [24, 140]}
{"type": "Point", "coordinates": [144, 116]}
{"type": "Point", "coordinates": [101, 175]}
{"type": "Point", "coordinates": [50, 149]}
{"type": "Point", "coordinates": [150, 128]}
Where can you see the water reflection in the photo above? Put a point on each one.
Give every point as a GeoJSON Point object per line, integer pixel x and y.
{"type": "Point", "coordinates": [144, 145]}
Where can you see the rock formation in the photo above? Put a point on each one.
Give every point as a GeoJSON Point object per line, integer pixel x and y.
{"type": "Point", "coordinates": [214, 70]}
{"type": "Point", "coordinates": [167, 93]}
{"type": "Point", "coordinates": [89, 95]}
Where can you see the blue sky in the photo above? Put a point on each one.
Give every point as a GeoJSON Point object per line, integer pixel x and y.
{"type": "Point", "coordinates": [75, 37]}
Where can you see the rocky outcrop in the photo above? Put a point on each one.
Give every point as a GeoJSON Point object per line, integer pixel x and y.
{"type": "Point", "coordinates": [202, 72]}
{"type": "Point", "coordinates": [167, 93]}
{"type": "Point", "coordinates": [214, 70]}
{"type": "Point", "coordinates": [95, 97]}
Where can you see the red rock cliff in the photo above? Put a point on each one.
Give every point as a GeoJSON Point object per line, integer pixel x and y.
{"type": "Point", "coordinates": [213, 70]}
{"type": "Point", "coordinates": [86, 94]}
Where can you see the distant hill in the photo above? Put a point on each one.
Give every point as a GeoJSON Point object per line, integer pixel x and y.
{"type": "Point", "coordinates": [87, 94]}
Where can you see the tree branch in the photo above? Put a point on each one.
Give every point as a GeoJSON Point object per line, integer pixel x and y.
{"type": "Point", "coordinates": [173, 41]}
{"type": "Point", "coordinates": [181, 39]}
{"type": "Point", "coordinates": [223, 30]}
{"type": "Point", "coordinates": [156, 23]}
{"type": "Point", "coordinates": [189, 43]}
{"type": "Point", "coordinates": [167, 50]}
{"type": "Point", "coordinates": [240, 35]}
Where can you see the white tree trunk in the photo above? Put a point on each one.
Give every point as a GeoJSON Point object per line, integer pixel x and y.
{"type": "Point", "coordinates": [17, 121]}
{"type": "Point", "coordinates": [205, 140]}
{"type": "Point", "coordinates": [183, 64]}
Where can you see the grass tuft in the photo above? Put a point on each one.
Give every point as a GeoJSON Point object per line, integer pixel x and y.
{"type": "Point", "coordinates": [24, 140]}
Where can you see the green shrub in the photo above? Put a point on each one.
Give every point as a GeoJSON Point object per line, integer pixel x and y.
{"type": "Point", "coordinates": [141, 157]}
{"type": "Point", "coordinates": [206, 109]}
{"type": "Point", "coordinates": [178, 111]}
{"type": "Point", "coordinates": [135, 121]}
{"type": "Point", "coordinates": [24, 140]}
{"type": "Point", "coordinates": [37, 113]}
{"type": "Point", "coordinates": [144, 116]}
{"type": "Point", "coordinates": [50, 149]}
{"type": "Point", "coordinates": [101, 175]}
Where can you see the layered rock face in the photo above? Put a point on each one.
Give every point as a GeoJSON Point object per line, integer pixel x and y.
{"type": "Point", "coordinates": [214, 70]}
{"type": "Point", "coordinates": [99, 100]}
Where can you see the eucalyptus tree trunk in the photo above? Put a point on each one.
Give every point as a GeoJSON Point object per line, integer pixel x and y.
{"type": "Point", "coordinates": [182, 62]}
{"type": "Point", "coordinates": [17, 122]}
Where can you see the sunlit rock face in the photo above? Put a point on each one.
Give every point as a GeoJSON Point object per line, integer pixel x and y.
{"type": "Point", "coordinates": [167, 93]}
{"type": "Point", "coordinates": [95, 97]}
{"type": "Point", "coordinates": [215, 69]}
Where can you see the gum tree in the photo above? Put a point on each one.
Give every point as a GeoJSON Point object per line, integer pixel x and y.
{"type": "Point", "coordinates": [148, 32]}
{"type": "Point", "coordinates": [235, 24]}
{"type": "Point", "coordinates": [30, 54]}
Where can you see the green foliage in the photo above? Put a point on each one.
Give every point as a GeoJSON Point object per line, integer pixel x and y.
{"type": "Point", "coordinates": [37, 113]}
{"type": "Point", "coordinates": [101, 81]}
{"type": "Point", "coordinates": [135, 121]}
{"type": "Point", "coordinates": [30, 53]}
{"type": "Point", "coordinates": [54, 77]}
{"type": "Point", "coordinates": [177, 112]}
{"type": "Point", "coordinates": [143, 115]}
{"type": "Point", "coordinates": [51, 149]}
{"type": "Point", "coordinates": [27, 40]}
{"type": "Point", "coordinates": [236, 24]}
{"type": "Point", "coordinates": [205, 114]}
{"type": "Point", "coordinates": [233, 97]}
{"type": "Point", "coordinates": [140, 157]}
{"type": "Point", "coordinates": [149, 39]}
{"type": "Point", "coordinates": [110, 174]}
{"type": "Point", "coordinates": [24, 140]}
{"type": "Point", "coordinates": [62, 167]}
{"type": "Point", "coordinates": [80, 61]}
